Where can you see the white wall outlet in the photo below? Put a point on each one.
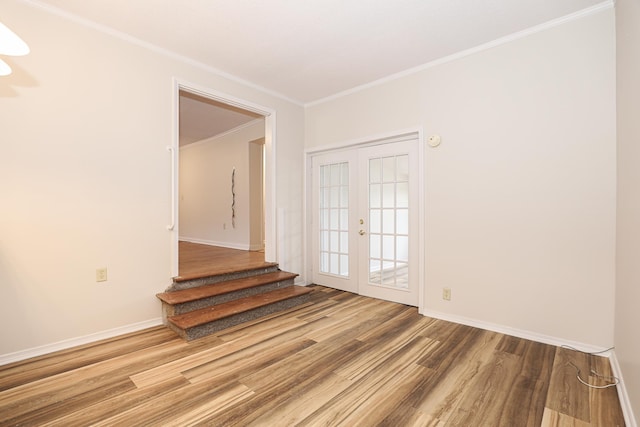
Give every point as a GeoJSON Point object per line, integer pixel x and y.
{"type": "Point", "coordinates": [101, 274]}
{"type": "Point", "coordinates": [446, 294]}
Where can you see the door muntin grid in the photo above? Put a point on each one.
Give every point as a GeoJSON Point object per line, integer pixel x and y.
{"type": "Point", "coordinates": [389, 221]}
{"type": "Point", "coordinates": [334, 219]}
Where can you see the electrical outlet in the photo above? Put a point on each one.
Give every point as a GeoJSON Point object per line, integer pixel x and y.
{"type": "Point", "coordinates": [224, 225]}
{"type": "Point", "coordinates": [101, 275]}
{"type": "Point", "coordinates": [446, 294]}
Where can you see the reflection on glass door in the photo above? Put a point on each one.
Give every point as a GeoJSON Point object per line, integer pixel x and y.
{"type": "Point", "coordinates": [389, 221]}
{"type": "Point", "coordinates": [388, 247]}
{"type": "Point", "coordinates": [334, 245]}
{"type": "Point", "coordinates": [334, 219]}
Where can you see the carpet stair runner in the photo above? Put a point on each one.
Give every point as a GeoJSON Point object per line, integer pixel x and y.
{"type": "Point", "coordinates": [200, 306]}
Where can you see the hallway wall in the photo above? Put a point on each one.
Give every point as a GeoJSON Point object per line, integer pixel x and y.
{"type": "Point", "coordinates": [628, 219]}
{"type": "Point", "coordinates": [205, 188]}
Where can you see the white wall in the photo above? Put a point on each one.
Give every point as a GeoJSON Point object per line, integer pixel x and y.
{"type": "Point", "coordinates": [520, 196]}
{"type": "Point", "coordinates": [256, 194]}
{"type": "Point", "coordinates": [85, 121]}
{"type": "Point", "coordinates": [205, 188]}
{"type": "Point", "coordinates": [628, 249]}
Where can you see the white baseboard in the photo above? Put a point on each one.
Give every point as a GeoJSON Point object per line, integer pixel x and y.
{"type": "Point", "coordinates": [256, 247]}
{"type": "Point", "coordinates": [240, 246]}
{"type": "Point", "coordinates": [625, 402]}
{"type": "Point", "coordinates": [520, 333]}
{"type": "Point", "coordinates": [73, 342]}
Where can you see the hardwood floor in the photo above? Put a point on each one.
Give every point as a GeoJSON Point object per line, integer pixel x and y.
{"type": "Point", "coordinates": [341, 360]}
{"type": "Point", "coordinates": [197, 260]}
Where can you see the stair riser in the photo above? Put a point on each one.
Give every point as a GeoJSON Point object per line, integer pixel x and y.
{"type": "Point", "coordinates": [218, 325]}
{"type": "Point", "coordinates": [172, 310]}
{"type": "Point", "coordinates": [194, 283]}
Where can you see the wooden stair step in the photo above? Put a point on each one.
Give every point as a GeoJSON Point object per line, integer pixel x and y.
{"type": "Point", "coordinates": [220, 288]}
{"type": "Point", "coordinates": [210, 314]}
{"type": "Point", "coordinates": [229, 269]}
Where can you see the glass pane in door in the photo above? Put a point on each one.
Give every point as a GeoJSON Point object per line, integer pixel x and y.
{"type": "Point", "coordinates": [334, 219]}
{"type": "Point", "coordinates": [389, 221]}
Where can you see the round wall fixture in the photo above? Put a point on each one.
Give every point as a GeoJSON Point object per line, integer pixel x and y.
{"type": "Point", "coordinates": [434, 140]}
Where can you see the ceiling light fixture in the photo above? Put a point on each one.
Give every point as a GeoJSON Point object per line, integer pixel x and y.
{"type": "Point", "coordinates": [12, 45]}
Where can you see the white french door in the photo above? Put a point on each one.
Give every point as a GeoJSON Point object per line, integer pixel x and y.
{"type": "Point", "coordinates": [365, 221]}
{"type": "Point", "coordinates": [334, 214]}
{"type": "Point", "coordinates": [387, 244]}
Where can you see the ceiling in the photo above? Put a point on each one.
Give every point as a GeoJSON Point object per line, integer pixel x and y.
{"type": "Point", "coordinates": [308, 50]}
{"type": "Point", "coordinates": [202, 118]}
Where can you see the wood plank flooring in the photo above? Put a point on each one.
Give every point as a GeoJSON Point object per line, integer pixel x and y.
{"type": "Point", "coordinates": [341, 360]}
{"type": "Point", "coordinates": [196, 260]}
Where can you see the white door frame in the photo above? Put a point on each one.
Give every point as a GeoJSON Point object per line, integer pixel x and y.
{"type": "Point", "coordinates": [270, 250]}
{"type": "Point", "coordinates": [357, 143]}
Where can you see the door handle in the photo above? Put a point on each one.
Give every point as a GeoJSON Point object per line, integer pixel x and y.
{"type": "Point", "coordinates": [361, 232]}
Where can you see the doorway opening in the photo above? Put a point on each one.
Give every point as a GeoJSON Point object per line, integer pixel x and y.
{"type": "Point", "coordinates": [223, 176]}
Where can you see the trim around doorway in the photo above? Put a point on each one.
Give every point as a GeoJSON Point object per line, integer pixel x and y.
{"type": "Point", "coordinates": [270, 163]}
